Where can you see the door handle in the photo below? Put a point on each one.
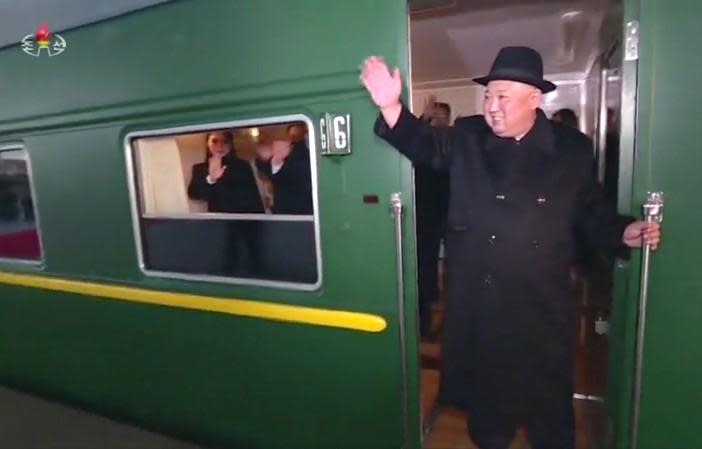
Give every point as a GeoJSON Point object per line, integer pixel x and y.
{"type": "Point", "coordinates": [653, 212]}
{"type": "Point", "coordinates": [396, 209]}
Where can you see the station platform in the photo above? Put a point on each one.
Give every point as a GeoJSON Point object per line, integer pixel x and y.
{"type": "Point", "coordinates": [28, 422]}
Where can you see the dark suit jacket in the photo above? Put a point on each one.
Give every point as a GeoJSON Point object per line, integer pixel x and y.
{"type": "Point", "coordinates": [292, 184]}
{"type": "Point", "coordinates": [234, 192]}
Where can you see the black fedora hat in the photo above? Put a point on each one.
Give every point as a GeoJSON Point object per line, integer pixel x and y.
{"type": "Point", "coordinates": [521, 64]}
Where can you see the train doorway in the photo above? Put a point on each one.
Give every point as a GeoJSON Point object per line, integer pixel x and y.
{"type": "Point", "coordinates": [580, 41]}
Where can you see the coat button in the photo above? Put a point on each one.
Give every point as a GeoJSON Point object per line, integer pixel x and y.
{"type": "Point", "coordinates": [535, 244]}
{"type": "Point", "coordinates": [492, 239]}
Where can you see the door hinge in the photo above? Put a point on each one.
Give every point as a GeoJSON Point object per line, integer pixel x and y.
{"type": "Point", "coordinates": [631, 46]}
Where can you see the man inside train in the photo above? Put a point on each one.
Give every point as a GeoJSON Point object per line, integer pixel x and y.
{"type": "Point", "coordinates": [520, 188]}
{"type": "Point", "coordinates": [431, 200]}
{"type": "Point", "coordinates": [287, 165]}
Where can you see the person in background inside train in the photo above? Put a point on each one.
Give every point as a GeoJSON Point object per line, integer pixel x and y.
{"type": "Point", "coordinates": [431, 205]}
{"type": "Point", "coordinates": [520, 185]}
{"type": "Point", "coordinates": [228, 185]}
{"type": "Point", "coordinates": [585, 255]}
{"type": "Point", "coordinates": [566, 117]}
{"type": "Point", "coordinates": [287, 165]}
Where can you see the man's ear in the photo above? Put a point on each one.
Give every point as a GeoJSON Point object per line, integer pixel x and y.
{"type": "Point", "coordinates": [535, 99]}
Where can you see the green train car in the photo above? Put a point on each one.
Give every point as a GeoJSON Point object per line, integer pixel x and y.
{"type": "Point", "coordinates": [122, 294]}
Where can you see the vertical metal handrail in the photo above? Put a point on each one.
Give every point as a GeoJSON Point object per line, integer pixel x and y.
{"type": "Point", "coordinates": [396, 209]}
{"type": "Point", "coordinates": [653, 212]}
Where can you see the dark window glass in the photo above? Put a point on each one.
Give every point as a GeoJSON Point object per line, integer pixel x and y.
{"type": "Point", "coordinates": [273, 250]}
{"type": "Point", "coordinates": [234, 203]}
{"type": "Point", "coordinates": [19, 236]}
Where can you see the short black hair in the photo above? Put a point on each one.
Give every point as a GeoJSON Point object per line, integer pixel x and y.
{"type": "Point", "coordinates": [228, 137]}
{"type": "Point", "coordinates": [566, 116]}
{"type": "Point", "coordinates": [445, 106]}
{"type": "Point", "coordinates": [295, 124]}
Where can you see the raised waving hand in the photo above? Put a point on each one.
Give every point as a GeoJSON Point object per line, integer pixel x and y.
{"type": "Point", "coordinates": [384, 87]}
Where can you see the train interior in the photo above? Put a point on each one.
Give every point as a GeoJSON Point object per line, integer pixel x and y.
{"type": "Point", "coordinates": [579, 40]}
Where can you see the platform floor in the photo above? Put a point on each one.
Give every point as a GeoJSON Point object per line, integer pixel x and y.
{"type": "Point", "coordinates": [448, 429]}
{"type": "Point", "coordinates": [28, 422]}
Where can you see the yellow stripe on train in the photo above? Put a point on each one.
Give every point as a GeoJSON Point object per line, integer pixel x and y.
{"type": "Point", "coordinates": [240, 307]}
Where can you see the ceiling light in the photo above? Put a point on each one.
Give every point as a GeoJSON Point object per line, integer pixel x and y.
{"type": "Point", "coordinates": [570, 15]}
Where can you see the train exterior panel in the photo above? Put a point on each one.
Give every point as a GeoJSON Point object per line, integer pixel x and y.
{"type": "Point", "coordinates": [210, 361]}
{"type": "Point", "coordinates": [666, 159]}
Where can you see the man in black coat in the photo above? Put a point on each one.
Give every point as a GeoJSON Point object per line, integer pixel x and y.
{"type": "Point", "coordinates": [520, 188]}
{"type": "Point", "coordinates": [289, 170]}
{"type": "Point", "coordinates": [431, 192]}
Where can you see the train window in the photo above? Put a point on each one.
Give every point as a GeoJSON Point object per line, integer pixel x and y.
{"type": "Point", "coordinates": [19, 233]}
{"type": "Point", "coordinates": [232, 202]}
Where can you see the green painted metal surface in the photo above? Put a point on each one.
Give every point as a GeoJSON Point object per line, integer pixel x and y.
{"type": "Point", "coordinates": [668, 160]}
{"type": "Point", "coordinates": [220, 380]}
{"type": "Point", "coordinates": [622, 338]}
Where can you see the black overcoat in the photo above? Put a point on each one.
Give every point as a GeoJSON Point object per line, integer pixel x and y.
{"type": "Point", "coordinates": [515, 210]}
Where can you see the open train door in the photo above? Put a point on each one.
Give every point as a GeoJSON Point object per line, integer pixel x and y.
{"type": "Point", "coordinates": [655, 363]}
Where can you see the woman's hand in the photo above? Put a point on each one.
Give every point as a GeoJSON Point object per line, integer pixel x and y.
{"type": "Point", "coordinates": [216, 169]}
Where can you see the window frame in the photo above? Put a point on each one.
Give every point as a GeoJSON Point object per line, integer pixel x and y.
{"type": "Point", "coordinates": [41, 261]}
{"type": "Point", "coordinates": [137, 215]}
